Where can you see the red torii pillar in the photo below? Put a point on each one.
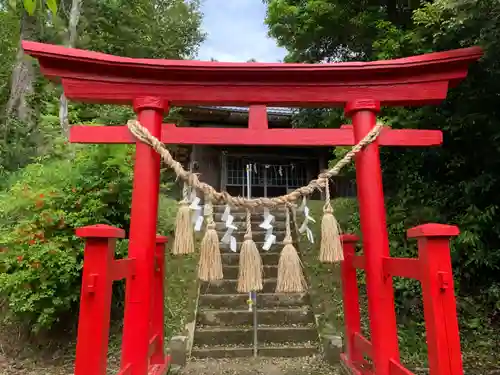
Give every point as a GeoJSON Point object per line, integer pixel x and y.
{"type": "Point", "coordinates": [381, 308]}
{"type": "Point", "coordinates": [153, 85]}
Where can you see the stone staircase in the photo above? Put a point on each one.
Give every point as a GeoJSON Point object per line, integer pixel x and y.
{"type": "Point", "coordinates": [224, 326]}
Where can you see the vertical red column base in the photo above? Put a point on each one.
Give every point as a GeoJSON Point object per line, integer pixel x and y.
{"type": "Point", "coordinates": [159, 363]}
{"type": "Point", "coordinates": [440, 308]}
{"type": "Point", "coordinates": [350, 296]}
{"type": "Point", "coordinates": [95, 298]}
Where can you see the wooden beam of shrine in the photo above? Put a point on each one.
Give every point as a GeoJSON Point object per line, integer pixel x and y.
{"type": "Point", "coordinates": [171, 134]}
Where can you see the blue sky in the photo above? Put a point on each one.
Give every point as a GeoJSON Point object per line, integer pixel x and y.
{"type": "Point", "coordinates": [236, 32]}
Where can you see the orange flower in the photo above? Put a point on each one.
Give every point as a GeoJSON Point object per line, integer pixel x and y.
{"type": "Point", "coordinates": [20, 258]}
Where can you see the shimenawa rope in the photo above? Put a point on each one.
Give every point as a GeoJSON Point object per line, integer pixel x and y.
{"type": "Point", "coordinates": [290, 276]}
{"type": "Point", "coordinates": [143, 134]}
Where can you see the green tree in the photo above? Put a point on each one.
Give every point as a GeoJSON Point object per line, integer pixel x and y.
{"type": "Point", "coordinates": [334, 30]}
{"type": "Point", "coordinates": [456, 183]}
{"type": "Point", "coordinates": [142, 28]}
{"type": "Point", "coordinates": [40, 260]}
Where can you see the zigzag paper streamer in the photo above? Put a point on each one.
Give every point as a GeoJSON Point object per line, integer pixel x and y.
{"type": "Point", "coordinates": [270, 238]}
{"type": "Point", "coordinates": [228, 237]}
{"type": "Point", "coordinates": [307, 218]}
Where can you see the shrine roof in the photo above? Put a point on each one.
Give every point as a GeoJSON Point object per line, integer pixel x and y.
{"type": "Point", "coordinates": [282, 111]}
{"type": "Point", "coordinates": [98, 77]}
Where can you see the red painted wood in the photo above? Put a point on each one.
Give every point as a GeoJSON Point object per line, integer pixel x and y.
{"type": "Point", "coordinates": [100, 230]}
{"type": "Point", "coordinates": [139, 303]}
{"type": "Point", "coordinates": [157, 322]}
{"type": "Point", "coordinates": [332, 95]}
{"type": "Point", "coordinates": [127, 370]}
{"type": "Point", "coordinates": [381, 309]}
{"type": "Point", "coordinates": [433, 230]}
{"type": "Point", "coordinates": [363, 345]}
{"type": "Point", "coordinates": [248, 137]}
{"type": "Point", "coordinates": [92, 76]}
{"type": "Point", "coordinates": [350, 296]}
{"type": "Point", "coordinates": [257, 117]}
{"type": "Point", "coordinates": [402, 267]}
{"type": "Point", "coordinates": [95, 299]}
{"type": "Point", "coordinates": [359, 262]}
{"type": "Point", "coordinates": [440, 311]}
{"type": "Point", "coordinates": [122, 268]}
{"type": "Point", "coordinates": [364, 348]}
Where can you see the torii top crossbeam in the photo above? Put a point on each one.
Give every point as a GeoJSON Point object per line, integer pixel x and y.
{"type": "Point", "coordinates": [101, 78]}
{"type": "Point", "coordinates": [97, 77]}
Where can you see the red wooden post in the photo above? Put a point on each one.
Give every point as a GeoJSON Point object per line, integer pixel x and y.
{"type": "Point", "coordinates": [95, 299]}
{"type": "Point", "coordinates": [138, 306]}
{"type": "Point", "coordinates": [381, 309]}
{"type": "Point", "coordinates": [157, 322]}
{"type": "Point", "coordinates": [440, 310]}
{"type": "Point", "coordinates": [350, 295]}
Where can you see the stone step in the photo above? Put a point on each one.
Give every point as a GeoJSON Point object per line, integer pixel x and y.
{"type": "Point", "coordinates": [241, 224]}
{"type": "Point", "coordinates": [232, 259]}
{"type": "Point", "coordinates": [231, 272]}
{"type": "Point", "coordinates": [264, 300]}
{"type": "Point", "coordinates": [230, 286]}
{"type": "Point", "coordinates": [244, 336]}
{"type": "Point", "coordinates": [302, 350]}
{"type": "Point", "coordinates": [257, 236]}
{"type": "Point", "coordinates": [268, 317]}
{"type": "Point", "coordinates": [275, 248]}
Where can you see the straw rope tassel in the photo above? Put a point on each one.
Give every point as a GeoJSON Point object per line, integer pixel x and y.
{"type": "Point", "coordinates": [183, 241]}
{"type": "Point", "coordinates": [290, 275]}
{"type": "Point", "coordinates": [250, 270]}
{"type": "Point", "coordinates": [210, 266]}
{"type": "Point", "coordinates": [331, 246]}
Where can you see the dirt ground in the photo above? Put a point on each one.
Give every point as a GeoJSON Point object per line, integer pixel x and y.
{"type": "Point", "coordinates": [259, 366]}
{"type": "Point", "coordinates": [236, 366]}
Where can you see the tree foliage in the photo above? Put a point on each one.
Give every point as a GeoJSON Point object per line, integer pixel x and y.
{"type": "Point", "coordinates": [48, 187]}
{"type": "Point", "coordinates": [456, 183]}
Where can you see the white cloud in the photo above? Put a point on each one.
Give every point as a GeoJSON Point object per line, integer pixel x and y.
{"type": "Point", "coordinates": [236, 32]}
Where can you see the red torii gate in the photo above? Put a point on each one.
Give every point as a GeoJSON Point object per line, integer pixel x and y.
{"type": "Point", "coordinates": [152, 86]}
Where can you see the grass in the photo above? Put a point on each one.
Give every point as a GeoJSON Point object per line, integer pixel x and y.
{"type": "Point", "coordinates": [23, 354]}
{"type": "Point", "coordinates": [324, 279]}
{"type": "Point", "coordinates": [479, 338]}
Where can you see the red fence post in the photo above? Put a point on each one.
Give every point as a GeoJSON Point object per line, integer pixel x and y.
{"type": "Point", "coordinates": [138, 296]}
{"type": "Point", "coordinates": [157, 322]}
{"type": "Point", "coordinates": [95, 299]}
{"type": "Point", "coordinates": [381, 308]}
{"type": "Point", "coordinates": [350, 296]}
{"type": "Point", "coordinates": [440, 309]}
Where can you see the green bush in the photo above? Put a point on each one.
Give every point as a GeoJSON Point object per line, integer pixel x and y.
{"type": "Point", "coordinates": [40, 257]}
